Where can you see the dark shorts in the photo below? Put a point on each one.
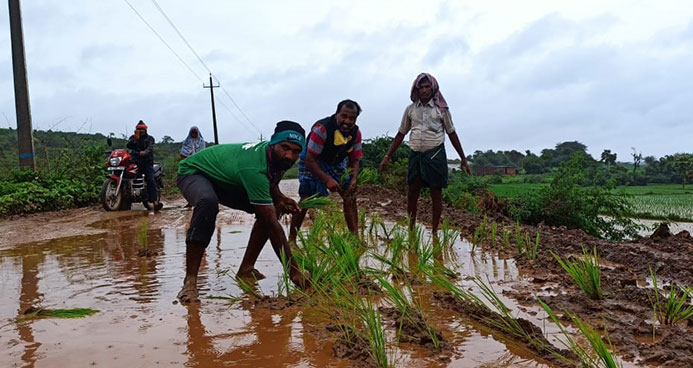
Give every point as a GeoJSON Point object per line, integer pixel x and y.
{"type": "Point", "coordinates": [430, 166]}
{"type": "Point", "coordinates": [205, 195]}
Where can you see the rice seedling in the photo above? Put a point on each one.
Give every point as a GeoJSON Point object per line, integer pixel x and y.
{"type": "Point", "coordinates": [586, 272]}
{"type": "Point", "coordinates": [242, 284]}
{"type": "Point", "coordinates": [519, 241]}
{"type": "Point", "coordinates": [33, 313]}
{"type": "Point", "coordinates": [415, 238]}
{"type": "Point", "coordinates": [231, 299]}
{"type": "Point", "coordinates": [448, 234]}
{"type": "Point", "coordinates": [315, 201]}
{"type": "Point", "coordinates": [370, 316]}
{"type": "Point", "coordinates": [345, 251]}
{"type": "Point", "coordinates": [532, 250]}
{"type": "Point", "coordinates": [506, 238]}
{"type": "Point", "coordinates": [675, 307]}
{"type": "Point", "coordinates": [284, 284]}
{"type": "Point", "coordinates": [343, 178]}
{"type": "Point", "coordinates": [411, 312]}
{"type": "Point", "coordinates": [483, 233]}
{"type": "Point", "coordinates": [602, 355]}
{"type": "Point", "coordinates": [494, 229]}
{"type": "Point", "coordinates": [362, 224]}
{"type": "Point", "coordinates": [506, 322]}
{"type": "Point", "coordinates": [477, 238]}
{"type": "Point", "coordinates": [375, 222]}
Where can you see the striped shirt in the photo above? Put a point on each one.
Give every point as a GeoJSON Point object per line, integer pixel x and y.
{"type": "Point", "coordinates": [318, 135]}
{"type": "Point", "coordinates": [428, 125]}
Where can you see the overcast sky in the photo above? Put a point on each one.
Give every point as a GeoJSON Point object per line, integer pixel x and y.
{"type": "Point", "coordinates": [516, 74]}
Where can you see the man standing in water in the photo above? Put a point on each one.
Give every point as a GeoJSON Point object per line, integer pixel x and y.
{"type": "Point", "coordinates": [243, 176]}
{"type": "Point", "coordinates": [334, 146]}
{"type": "Point", "coordinates": [428, 118]}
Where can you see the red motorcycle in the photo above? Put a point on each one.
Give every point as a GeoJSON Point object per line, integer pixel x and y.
{"type": "Point", "coordinates": [125, 184]}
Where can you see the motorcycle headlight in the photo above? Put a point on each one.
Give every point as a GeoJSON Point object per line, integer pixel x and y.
{"type": "Point", "coordinates": [115, 161]}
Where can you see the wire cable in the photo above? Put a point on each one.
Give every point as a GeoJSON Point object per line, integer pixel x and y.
{"type": "Point", "coordinates": [164, 41]}
{"type": "Point", "coordinates": [180, 34]}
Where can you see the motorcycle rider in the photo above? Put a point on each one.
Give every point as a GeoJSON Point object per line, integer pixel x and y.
{"type": "Point", "coordinates": [142, 145]}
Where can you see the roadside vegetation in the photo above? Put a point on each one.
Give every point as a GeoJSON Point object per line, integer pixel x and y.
{"type": "Point", "coordinates": [70, 170]}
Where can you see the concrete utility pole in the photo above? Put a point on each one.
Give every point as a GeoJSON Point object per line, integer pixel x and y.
{"type": "Point", "coordinates": [21, 89]}
{"type": "Point", "coordinates": [214, 113]}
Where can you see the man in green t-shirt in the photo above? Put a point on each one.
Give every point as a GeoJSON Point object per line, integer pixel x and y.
{"type": "Point", "coordinates": [243, 176]}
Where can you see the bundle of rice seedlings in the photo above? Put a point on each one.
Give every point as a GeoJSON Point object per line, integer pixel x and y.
{"type": "Point", "coordinates": [494, 229]}
{"type": "Point", "coordinates": [33, 313]}
{"type": "Point", "coordinates": [370, 316]}
{"type": "Point", "coordinates": [315, 201]}
{"type": "Point", "coordinates": [586, 272]}
{"type": "Point", "coordinates": [675, 307]}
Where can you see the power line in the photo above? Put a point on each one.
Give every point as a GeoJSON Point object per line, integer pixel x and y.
{"type": "Point", "coordinates": [235, 104]}
{"type": "Point", "coordinates": [164, 41]}
{"type": "Point", "coordinates": [156, 4]}
{"type": "Point", "coordinates": [170, 22]}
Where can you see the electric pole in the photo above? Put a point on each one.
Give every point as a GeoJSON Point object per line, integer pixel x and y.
{"type": "Point", "coordinates": [21, 89]}
{"type": "Point", "coordinates": [214, 113]}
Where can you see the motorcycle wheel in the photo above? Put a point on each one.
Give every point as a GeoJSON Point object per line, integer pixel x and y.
{"type": "Point", "coordinates": [109, 200]}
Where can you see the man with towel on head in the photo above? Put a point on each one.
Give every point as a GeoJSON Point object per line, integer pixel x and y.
{"type": "Point", "coordinates": [243, 176]}
{"type": "Point", "coordinates": [428, 119]}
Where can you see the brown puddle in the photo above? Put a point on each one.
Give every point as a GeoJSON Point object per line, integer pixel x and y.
{"type": "Point", "coordinates": [139, 323]}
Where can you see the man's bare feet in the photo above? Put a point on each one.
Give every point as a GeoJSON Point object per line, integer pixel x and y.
{"type": "Point", "coordinates": [189, 294]}
{"type": "Point", "coordinates": [300, 279]}
{"type": "Point", "coordinates": [250, 274]}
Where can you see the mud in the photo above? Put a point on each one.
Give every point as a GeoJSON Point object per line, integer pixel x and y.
{"type": "Point", "coordinates": [625, 312]}
{"type": "Point", "coordinates": [89, 258]}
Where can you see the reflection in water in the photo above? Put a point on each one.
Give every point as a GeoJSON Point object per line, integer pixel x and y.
{"type": "Point", "coordinates": [29, 296]}
{"type": "Point", "coordinates": [139, 324]}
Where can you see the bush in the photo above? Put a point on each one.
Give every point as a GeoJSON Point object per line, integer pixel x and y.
{"type": "Point", "coordinates": [494, 179]}
{"type": "Point", "coordinates": [565, 203]}
{"type": "Point", "coordinates": [73, 181]}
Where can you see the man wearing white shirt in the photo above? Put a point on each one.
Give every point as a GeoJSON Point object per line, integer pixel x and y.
{"type": "Point", "coordinates": [428, 119]}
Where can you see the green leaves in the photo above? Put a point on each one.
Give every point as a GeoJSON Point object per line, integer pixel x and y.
{"type": "Point", "coordinates": [585, 272]}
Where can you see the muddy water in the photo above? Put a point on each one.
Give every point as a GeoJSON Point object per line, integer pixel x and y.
{"type": "Point", "coordinates": [140, 324]}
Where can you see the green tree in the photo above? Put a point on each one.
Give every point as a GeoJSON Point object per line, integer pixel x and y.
{"type": "Point", "coordinates": [166, 140]}
{"type": "Point", "coordinates": [608, 158]}
{"type": "Point", "coordinates": [532, 164]}
{"type": "Point", "coordinates": [683, 164]}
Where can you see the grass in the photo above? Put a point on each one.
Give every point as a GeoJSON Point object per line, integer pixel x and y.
{"type": "Point", "coordinates": [586, 272]}
{"type": "Point", "coordinates": [602, 355]}
{"type": "Point", "coordinates": [674, 308]}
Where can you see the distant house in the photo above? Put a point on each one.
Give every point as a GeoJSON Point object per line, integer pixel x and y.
{"type": "Point", "coordinates": [495, 170]}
